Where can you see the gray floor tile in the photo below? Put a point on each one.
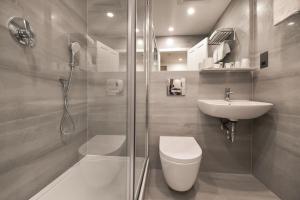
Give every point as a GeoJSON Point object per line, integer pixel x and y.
{"type": "Point", "coordinates": [211, 186]}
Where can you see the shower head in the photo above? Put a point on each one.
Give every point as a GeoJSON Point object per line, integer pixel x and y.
{"type": "Point", "coordinates": [75, 48]}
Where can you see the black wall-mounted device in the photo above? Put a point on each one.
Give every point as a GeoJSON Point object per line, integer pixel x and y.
{"type": "Point", "coordinates": [264, 60]}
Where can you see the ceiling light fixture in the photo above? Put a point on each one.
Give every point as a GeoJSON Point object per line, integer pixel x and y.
{"type": "Point", "coordinates": [291, 23]}
{"type": "Point", "coordinates": [137, 30]}
{"type": "Point", "coordinates": [171, 29]}
{"type": "Point", "coordinates": [110, 14]}
{"type": "Point", "coordinates": [190, 11]}
{"type": "Point", "coordinates": [180, 59]}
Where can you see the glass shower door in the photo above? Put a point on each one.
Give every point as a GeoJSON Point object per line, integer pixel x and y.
{"type": "Point", "coordinates": [107, 94]}
{"type": "Point", "coordinates": [141, 109]}
{"type": "Point", "coordinates": [118, 91]}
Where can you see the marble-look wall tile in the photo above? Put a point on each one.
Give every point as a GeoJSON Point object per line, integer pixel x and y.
{"type": "Point", "coordinates": [31, 98]}
{"type": "Point", "coordinates": [180, 116]}
{"type": "Point", "coordinates": [28, 178]}
{"type": "Point", "coordinates": [107, 114]}
{"type": "Point", "coordinates": [276, 144]}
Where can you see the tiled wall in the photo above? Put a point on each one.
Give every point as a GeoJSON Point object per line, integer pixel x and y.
{"type": "Point", "coordinates": [107, 114]}
{"type": "Point", "coordinates": [32, 154]}
{"type": "Point", "coordinates": [276, 135]}
{"type": "Point", "coordinates": [180, 116]}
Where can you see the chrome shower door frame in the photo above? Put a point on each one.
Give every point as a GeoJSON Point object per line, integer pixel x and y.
{"type": "Point", "coordinates": [131, 92]}
{"type": "Point", "coordinates": [131, 96]}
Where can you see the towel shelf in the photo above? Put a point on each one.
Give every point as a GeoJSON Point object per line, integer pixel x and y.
{"type": "Point", "coordinates": [221, 35]}
{"type": "Point", "coordinates": [220, 70]}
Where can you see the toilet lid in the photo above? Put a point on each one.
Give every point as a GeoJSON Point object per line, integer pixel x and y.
{"type": "Point", "coordinates": [180, 149]}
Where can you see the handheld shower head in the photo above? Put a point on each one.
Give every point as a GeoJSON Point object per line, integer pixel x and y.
{"type": "Point", "coordinates": [75, 48]}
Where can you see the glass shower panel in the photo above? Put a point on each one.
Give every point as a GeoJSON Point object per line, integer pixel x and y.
{"type": "Point", "coordinates": [107, 95]}
{"type": "Point", "coordinates": [141, 92]}
{"type": "Point", "coordinates": [73, 65]}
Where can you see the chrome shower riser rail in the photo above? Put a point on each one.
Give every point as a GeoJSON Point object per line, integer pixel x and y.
{"type": "Point", "coordinates": [131, 92]}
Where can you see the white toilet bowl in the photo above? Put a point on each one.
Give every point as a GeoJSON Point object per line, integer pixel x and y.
{"type": "Point", "coordinates": [180, 159]}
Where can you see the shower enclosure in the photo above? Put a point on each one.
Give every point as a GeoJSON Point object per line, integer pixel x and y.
{"type": "Point", "coordinates": [100, 150]}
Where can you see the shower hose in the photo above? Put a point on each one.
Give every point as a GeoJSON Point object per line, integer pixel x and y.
{"type": "Point", "coordinates": [66, 116]}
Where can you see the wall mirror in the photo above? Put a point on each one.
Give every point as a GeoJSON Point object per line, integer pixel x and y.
{"type": "Point", "coordinates": [200, 34]}
{"type": "Point", "coordinates": [173, 61]}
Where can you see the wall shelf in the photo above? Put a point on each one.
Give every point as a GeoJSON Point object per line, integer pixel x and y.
{"type": "Point", "coordinates": [220, 70]}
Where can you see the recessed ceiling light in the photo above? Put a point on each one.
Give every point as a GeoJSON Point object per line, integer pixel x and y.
{"type": "Point", "coordinates": [53, 16]}
{"type": "Point", "coordinates": [137, 30]}
{"type": "Point", "coordinates": [180, 59]}
{"type": "Point", "coordinates": [291, 23]}
{"type": "Point", "coordinates": [170, 41]}
{"type": "Point", "coordinates": [190, 11]}
{"type": "Point", "coordinates": [171, 29]}
{"type": "Point", "coordinates": [110, 14]}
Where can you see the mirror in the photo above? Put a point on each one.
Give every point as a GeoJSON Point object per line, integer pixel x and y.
{"type": "Point", "coordinates": [200, 34]}
{"type": "Point", "coordinates": [173, 61]}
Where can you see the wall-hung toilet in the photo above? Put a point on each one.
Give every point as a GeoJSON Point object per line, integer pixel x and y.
{"type": "Point", "coordinates": [180, 158]}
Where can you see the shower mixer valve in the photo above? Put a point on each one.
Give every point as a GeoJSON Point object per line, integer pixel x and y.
{"type": "Point", "coordinates": [66, 84]}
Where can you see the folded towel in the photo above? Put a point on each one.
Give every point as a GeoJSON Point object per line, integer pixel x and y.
{"type": "Point", "coordinates": [223, 50]}
{"type": "Point", "coordinates": [208, 63]}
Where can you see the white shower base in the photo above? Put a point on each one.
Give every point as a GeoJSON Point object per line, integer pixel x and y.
{"type": "Point", "coordinates": [93, 178]}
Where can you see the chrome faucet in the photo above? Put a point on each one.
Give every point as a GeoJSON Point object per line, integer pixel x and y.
{"type": "Point", "coordinates": [227, 94]}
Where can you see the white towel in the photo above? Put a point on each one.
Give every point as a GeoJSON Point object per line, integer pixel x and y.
{"type": "Point", "coordinates": [215, 55]}
{"type": "Point", "coordinates": [223, 50]}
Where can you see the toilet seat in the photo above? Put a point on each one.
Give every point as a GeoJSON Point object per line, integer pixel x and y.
{"type": "Point", "coordinates": [182, 150]}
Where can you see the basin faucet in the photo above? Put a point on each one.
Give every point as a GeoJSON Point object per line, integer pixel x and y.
{"type": "Point", "coordinates": [227, 94]}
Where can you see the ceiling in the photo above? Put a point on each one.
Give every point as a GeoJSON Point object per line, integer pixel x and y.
{"type": "Point", "coordinates": [174, 13]}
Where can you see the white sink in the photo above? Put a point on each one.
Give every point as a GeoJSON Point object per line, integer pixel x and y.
{"type": "Point", "coordinates": [234, 109]}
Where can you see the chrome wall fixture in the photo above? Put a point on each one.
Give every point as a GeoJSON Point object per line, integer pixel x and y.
{"type": "Point", "coordinates": [66, 85]}
{"type": "Point", "coordinates": [176, 87]}
{"type": "Point", "coordinates": [21, 31]}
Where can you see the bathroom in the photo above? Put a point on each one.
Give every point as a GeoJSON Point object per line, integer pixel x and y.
{"type": "Point", "coordinates": [149, 99]}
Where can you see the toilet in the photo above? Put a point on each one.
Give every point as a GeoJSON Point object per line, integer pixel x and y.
{"type": "Point", "coordinates": [180, 159]}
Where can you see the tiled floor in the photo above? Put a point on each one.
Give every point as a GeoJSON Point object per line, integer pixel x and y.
{"type": "Point", "coordinates": [211, 186]}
